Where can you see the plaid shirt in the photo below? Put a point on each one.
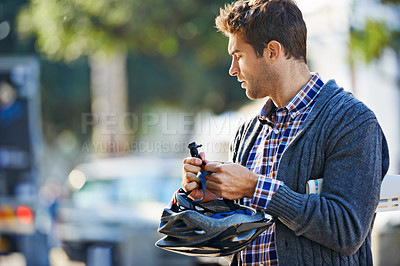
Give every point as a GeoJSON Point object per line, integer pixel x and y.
{"type": "Point", "coordinates": [280, 128]}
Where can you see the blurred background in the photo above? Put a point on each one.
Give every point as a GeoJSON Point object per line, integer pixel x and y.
{"type": "Point", "coordinates": [99, 99]}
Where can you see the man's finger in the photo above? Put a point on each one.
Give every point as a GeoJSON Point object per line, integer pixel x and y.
{"type": "Point", "coordinates": [212, 178]}
{"type": "Point", "coordinates": [193, 161]}
{"type": "Point", "coordinates": [212, 167]}
{"type": "Point", "coordinates": [190, 177]}
{"type": "Point", "coordinates": [191, 168]}
{"type": "Point", "coordinates": [190, 186]}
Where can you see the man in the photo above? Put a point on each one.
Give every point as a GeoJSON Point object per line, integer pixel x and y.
{"type": "Point", "coordinates": [307, 130]}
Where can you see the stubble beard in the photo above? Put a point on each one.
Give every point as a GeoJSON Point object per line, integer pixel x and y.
{"type": "Point", "coordinates": [262, 83]}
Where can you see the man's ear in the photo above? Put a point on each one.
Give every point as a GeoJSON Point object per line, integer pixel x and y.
{"type": "Point", "coordinates": [273, 51]}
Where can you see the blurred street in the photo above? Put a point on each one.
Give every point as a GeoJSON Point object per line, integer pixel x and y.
{"type": "Point", "coordinates": [57, 258]}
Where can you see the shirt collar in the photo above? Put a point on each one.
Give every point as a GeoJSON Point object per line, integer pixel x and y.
{"type": "Point", "coordinates": [302, 99]}
{"type": "Point", "coordinates": [268, 113]}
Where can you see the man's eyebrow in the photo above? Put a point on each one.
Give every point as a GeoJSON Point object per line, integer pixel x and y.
{"type": "Point", "coordinates": [234, 52]}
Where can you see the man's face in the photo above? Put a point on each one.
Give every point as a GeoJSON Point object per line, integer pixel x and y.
{"type": "Point", "coordinates": [255, 73]}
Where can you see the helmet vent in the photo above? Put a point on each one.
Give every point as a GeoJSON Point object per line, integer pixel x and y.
{"type": "Point", "coordinates": [199, 232]}
{"type": "Point", "coordinates": [199, 208]}
{"type": "Point", "coordinates": [180, 224]}
{"type": "Point", "coordinates": [244, 235]}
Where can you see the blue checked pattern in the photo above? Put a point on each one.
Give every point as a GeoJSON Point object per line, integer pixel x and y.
{"type": "Point", "coordinates": [280, 128]}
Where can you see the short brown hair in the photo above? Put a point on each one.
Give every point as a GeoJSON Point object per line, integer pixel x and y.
{"type": "Point", "coordinates": [261, 21]}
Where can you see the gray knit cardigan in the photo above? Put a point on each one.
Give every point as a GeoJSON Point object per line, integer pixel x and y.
{"type": "Point", "coordinates": [341, 142]}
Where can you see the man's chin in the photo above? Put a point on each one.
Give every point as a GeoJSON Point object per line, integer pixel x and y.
{"type": "Point", "coordinates": [252, 96]}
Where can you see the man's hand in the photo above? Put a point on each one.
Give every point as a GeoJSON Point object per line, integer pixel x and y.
{"type": "Point", "coordinates": [230, 181]}
{"type": "Point", "coordinates": [191, 167]}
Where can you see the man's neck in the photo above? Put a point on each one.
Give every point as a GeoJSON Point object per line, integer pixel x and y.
{"type": "Point", "coordinates": [297, 76]}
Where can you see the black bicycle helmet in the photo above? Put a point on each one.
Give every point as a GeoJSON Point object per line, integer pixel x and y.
{"type": "Point", "coordinates": [215, 228]}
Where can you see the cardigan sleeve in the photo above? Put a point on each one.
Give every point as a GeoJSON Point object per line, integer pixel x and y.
{"type": "Point", "coordinates": [340, 218]}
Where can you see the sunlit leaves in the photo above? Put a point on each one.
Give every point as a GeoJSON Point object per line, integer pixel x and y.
{"type": "Point", "coordinates": [189, 57]}
{"type": "Point", "coordinates": [394, 2]}
{"type": "Point", "coordinates": [168, 47]}
{"type": "Point", "coordinates": [68, 29]}
{"type": "Point", "coordinates": [370, 42]}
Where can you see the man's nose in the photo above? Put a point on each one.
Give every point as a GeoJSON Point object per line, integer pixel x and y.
{"type": "Point", "coordinates": [234, 69]}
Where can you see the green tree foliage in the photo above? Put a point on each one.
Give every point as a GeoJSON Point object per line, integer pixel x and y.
{"type": "Point", "coordinates": [68, 29]}
{"type": "Point", "coordinates": [175, 53]}
{"type": "Point", "coordinates": [369, 42]}
{"type": "Point", "coordinates": [393, 2]}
